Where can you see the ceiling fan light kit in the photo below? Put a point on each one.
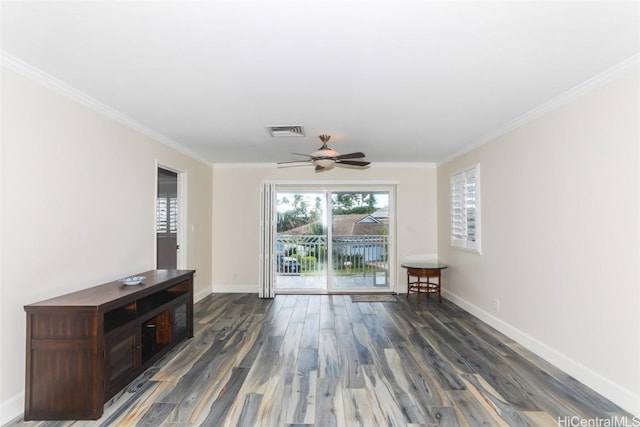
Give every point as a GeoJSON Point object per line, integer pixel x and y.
{"type": "Point", "coordinates": [324, 163]}
{"type": "Point", "coordinates": [326, 158]}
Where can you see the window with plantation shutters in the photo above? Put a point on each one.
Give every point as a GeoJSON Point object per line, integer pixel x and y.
{"type": "Point", "coordinates": [465, 209]}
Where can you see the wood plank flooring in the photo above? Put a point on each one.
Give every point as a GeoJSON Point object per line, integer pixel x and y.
{"type": "Point", "coordinates": [307, 360]}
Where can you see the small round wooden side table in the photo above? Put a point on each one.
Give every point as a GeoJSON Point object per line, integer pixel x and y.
{"type": "Point", "coordinates": [420, 275]}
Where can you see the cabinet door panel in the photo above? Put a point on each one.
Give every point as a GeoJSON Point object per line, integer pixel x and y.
{"type": "Point", "coordinates": [122, 357]}
{"type": "Point", "coordinates": [180, 320]}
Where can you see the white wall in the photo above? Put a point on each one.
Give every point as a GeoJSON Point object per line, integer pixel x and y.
{"type": "Point", "coordinates": [560, 238]}
{"type": "Point", "coordinates": [236, 220]}
{"type": "Point", "coordinates": [78, 209]}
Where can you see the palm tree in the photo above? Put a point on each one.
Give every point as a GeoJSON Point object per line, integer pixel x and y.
{"type": "Point", "coordinates": [370, 200]}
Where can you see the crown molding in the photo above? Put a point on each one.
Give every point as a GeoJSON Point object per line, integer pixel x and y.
{"type": "Point", "coordinates": [47, 80]}
{"type": "Point", "coordinates": [599, 80]}
{"type": "Point", "coordinates": [404, 165]}
{"type": "Point", "coordinates": [244, 166]}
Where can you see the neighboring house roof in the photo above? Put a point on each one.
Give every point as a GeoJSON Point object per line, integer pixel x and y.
{"type": "Point", "coordinates": [368, 219]}
{"type": "Point", "coordinates": [302, 230]}
{"type": "Point", "coordinates": [382, 213]}
{"type": "Point", "coordinates": [347, 225]}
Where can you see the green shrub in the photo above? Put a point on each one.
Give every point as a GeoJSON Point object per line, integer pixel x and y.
{"type": "Point", "coordinates": [309, 263]}
{"type": "Point", "coordinates": [339, 259]}
{"type": "Point", "coordinates": [291, 251]}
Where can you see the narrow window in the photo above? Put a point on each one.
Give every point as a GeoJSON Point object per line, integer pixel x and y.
{"type": "Point", "coordinates": [465, 209]}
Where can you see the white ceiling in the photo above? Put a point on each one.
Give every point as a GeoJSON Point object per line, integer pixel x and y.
{"type": "Point", "coordinates": [402, 81]}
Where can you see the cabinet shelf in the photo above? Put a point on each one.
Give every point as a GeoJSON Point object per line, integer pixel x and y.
{"type": "Point", "coordinates": [92, 343]}
{"type": "Point", "coordinates": [152, 302]}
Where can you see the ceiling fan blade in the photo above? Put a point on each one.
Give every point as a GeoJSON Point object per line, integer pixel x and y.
{"type": "Point", "coordinates": [352, 162]}
{"type": "Point", "coordinates": [357, 155]}
{"type": "Point", "coordinates": [301, 154]}
{"type": "Point", "coordinates": [294, 161]}
{"type": "Point", "coordinates": [293, 165]}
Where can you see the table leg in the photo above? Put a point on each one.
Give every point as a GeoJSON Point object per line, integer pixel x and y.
{"type": "Point", "coordinates": [408, 283]}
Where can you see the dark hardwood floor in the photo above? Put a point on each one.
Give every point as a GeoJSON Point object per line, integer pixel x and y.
{"type": "Point", "coordinates": [327, 361]}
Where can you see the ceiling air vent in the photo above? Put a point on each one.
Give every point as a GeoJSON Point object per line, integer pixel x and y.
{"type": "Point", "coordinates": [276, 131]}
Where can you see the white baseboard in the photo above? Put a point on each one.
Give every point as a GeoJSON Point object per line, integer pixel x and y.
{"type": "Point", "coordinates": [11, 408]}
{"type": "Point", "coordinates": [624, 398]}
{"type": "Point", "coordinates": [201, 295]}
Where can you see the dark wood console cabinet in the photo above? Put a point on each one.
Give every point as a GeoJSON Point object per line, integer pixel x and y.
{"type": "Point", "coordinates": [84, 347]}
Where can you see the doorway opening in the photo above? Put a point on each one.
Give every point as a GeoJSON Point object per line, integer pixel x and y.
{"type": "Point", "coordinates": [167, 220]}
{"type": "Point", "coordinates": [334, 240]}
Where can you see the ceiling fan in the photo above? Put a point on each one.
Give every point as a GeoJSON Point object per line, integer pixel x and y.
{"type": "Point", "coordinates": [325, 158]}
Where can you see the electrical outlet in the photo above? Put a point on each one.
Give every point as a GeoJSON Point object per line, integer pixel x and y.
{"type": "Point", "coordinates": [496, 304]}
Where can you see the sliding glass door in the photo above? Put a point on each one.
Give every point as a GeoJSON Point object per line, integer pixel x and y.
{"type": "Point", "coordinates": [301, 242]}
{"type": "Point", "coordinates": [360, 240]}
{"type": "Point", "coordinates": [333, 239]}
